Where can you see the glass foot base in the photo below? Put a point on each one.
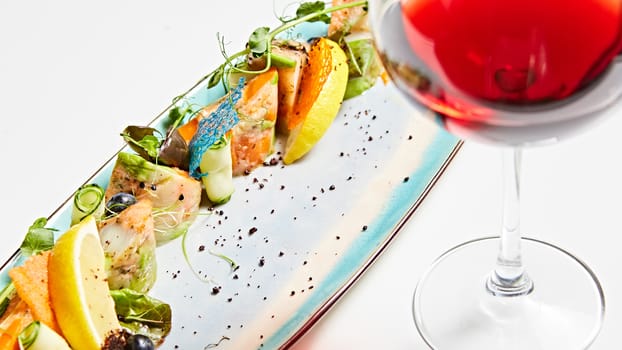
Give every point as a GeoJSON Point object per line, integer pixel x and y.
{"type": "Point", "coordinates": [453, 309]}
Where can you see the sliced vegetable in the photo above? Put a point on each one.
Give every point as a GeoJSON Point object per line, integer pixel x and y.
{"type": "Point", "coordinates": [38, 336]}
{"type": "Point", "coordinates": [217, 164]}
{"type": "Point", "coordinates": [143, 314]}
{"type": "Point", "coordinates": [88, 200]}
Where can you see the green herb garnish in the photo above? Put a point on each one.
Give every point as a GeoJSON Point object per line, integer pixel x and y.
{"type": "Point", "coordinates": [260, 42]}
{"type": "Point", "coordinates": [38, 239]}
{"type": "Point", "coordinates": [143, 140]}
{"type": "Point", "coordinates": [309, 8]}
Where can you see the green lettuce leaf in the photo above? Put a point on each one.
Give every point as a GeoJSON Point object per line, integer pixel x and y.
{"type": "Point", "coordinates": [364, 66]}
{"type": "Point", "coordinates": [142, 314]}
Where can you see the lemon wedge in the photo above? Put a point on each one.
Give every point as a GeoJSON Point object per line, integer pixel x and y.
{"type": "Point", "coordinates": [78, 289]}
{"type": "Point", "coordinates": [322, 88]}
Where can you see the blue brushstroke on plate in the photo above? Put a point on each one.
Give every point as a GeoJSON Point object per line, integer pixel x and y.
{"type": "Point", "coordinates": [402, 199]}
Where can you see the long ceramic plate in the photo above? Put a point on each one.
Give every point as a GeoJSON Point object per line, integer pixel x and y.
{"type": "Point", "coordinates": [301, 234]}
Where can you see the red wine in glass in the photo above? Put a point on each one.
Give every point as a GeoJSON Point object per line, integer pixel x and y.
{"type": "Point", "coordinates": [511, 73]}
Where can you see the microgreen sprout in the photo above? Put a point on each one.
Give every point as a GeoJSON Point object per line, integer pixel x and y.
{"type": "Point", "coordinates": [214, 345]}
{"type": "Point", "coordinates": [232, 263]}
{"type": "Point", "coordinates": [149, 142]}
{"type": "Point", "coordinates": [177, 114]}
{"type": "Point", "coordinates": [260, 41]}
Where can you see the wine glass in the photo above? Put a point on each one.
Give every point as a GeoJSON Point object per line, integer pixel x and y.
{"type": "Point", "coordinates": [510, 73]}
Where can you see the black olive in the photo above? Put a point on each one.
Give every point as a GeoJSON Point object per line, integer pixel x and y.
{"type": "Point", "coordinates": [139, 342]}
{"type": "Point", "coordinates": [119, 202]}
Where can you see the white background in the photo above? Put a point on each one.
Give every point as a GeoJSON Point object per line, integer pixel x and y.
{"type": "Point", "coordinates": [73, 74]}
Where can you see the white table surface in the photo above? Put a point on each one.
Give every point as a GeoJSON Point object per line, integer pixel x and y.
{"type": "Point", "coordinates": [75, 73]}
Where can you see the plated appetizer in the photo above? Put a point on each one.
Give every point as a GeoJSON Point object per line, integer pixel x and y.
{"type": "Point", "coordinates": [89, 289]}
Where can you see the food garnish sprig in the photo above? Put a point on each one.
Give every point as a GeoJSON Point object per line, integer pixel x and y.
{"type": "Point", "coordinates": [260, 43]}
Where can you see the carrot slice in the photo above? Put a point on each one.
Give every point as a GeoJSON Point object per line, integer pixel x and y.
{"type": "Point", "coordinates": [8, 336]}
{"type": "Point", "coordinates": [189, 129]}
{"type": "Point", "coordinates": [31, 284]}
{"type": "Point", "coordinates": [14, 320]}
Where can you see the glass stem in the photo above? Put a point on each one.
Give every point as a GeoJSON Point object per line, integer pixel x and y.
{"type": "Point", "coordinates": [509, 278]}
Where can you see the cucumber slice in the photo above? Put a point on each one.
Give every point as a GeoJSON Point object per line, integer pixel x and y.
{"type": "Point", "coordinates": [38, 336]}
{"type": "Point", "coordinates": [218, 165]}
{"type": "Point", "coordinates": [89, 199]}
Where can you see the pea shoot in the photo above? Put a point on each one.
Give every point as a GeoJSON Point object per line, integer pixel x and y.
{"type": "Point", "coordinates": [260, 42]}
